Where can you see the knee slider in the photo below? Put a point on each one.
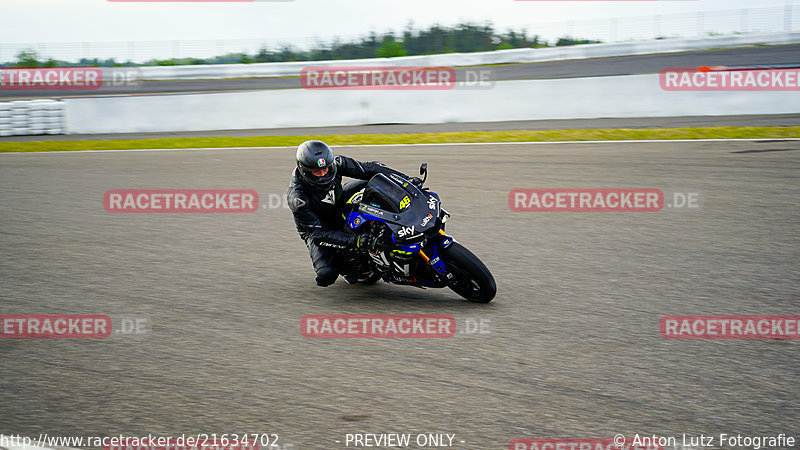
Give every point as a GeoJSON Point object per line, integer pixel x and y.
{"type": "Point", "coordinates": [326, 276]}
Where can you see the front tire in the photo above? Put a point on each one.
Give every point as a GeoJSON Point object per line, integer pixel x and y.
{"type": "Point", "coordinates": [373, 278]}
{"type": "Point", "coordinates": [474, 281]}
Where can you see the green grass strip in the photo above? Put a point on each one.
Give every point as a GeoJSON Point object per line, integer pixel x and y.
{"type": "Point", "coordinates": [414, 138]}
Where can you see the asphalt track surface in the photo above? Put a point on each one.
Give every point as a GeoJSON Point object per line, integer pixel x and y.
{"type": "Point", "coordinates": [777, 55]}
{"type": "Point", "coordinates": [573, 347]}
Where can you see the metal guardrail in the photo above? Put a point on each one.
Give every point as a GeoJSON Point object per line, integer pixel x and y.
{"type": "Point", "coordinates": [521, 55]}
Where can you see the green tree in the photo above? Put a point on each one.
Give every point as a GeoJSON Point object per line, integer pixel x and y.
{"type": "Point", "coordinates": [28, 58]}
{"type": "Point", "coordinates": [265, 55]}
{"type": "Point", "coordinates": [565, 41]}
{"type": "Point", "coordinates": [390, 48]}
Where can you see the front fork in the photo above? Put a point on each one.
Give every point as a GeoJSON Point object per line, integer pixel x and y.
{"type": "Point", "coordinates": [441, 273]}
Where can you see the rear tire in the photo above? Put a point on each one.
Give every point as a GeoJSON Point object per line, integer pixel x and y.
{"type": "Point", "coordinates": [475, 283]}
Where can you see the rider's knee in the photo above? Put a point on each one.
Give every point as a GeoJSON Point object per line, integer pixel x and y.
{"type": "Point", "coordinates": [326, 276]}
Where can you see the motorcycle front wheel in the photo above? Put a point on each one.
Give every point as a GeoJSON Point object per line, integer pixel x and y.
{"type": "Point", "coordinates": [473, 281]}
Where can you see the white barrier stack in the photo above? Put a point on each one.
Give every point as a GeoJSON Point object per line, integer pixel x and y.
{"type": "Point", "coordinates": [5, 119]}
{"type": "Point", "coordinates": [31, 117]}
{"type": "Point", "coordinates": [19, 118]}
{"type": "Point", "coordinates": [45, 117]}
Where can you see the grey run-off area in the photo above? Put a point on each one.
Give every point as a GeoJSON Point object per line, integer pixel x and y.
{"type": "Point", "coordinates": [573, 350]}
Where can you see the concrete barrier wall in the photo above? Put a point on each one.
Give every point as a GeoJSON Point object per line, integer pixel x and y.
{"type": "Point", "coordinates": [574, 98]}
{"type": "Point", "coordinates": [522, 55]}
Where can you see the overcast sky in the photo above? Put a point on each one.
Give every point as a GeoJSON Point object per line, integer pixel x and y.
{"type": "Point", "coordinates": [100, 20]}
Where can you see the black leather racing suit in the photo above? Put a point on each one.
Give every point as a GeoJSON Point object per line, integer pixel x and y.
{"type": "Point", "coordinates": [318, 213]}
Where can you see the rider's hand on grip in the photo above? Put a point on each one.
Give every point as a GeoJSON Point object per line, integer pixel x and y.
{"type": "Point", "coordinates": [416, 181]}
{"type": "Point", "coordinates": [366, 242]}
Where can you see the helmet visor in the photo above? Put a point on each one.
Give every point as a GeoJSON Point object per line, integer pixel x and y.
{"type": "Point", "coordinates": [318, 176]}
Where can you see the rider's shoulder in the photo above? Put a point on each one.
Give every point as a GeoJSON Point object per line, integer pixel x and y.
{"type": "Point", "coordinates": [297, 200]}
{"type": "Point", "coordinates": [296, 196]}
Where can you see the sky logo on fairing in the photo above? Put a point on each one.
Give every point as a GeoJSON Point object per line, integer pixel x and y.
{"type": "Point", "coordinates": [431, 202]}
{"type": "Point", "coordinates": [405, 231]}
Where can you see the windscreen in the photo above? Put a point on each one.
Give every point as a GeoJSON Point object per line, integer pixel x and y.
{"type": "Point", "coordinates": [385, 194]}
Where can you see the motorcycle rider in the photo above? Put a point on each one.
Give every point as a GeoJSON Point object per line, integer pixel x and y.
{"type": "Point", "coordinates": [316, 197]}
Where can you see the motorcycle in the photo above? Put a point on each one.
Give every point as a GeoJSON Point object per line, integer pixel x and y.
{"type": "Point", "coordinates": [413, 248]}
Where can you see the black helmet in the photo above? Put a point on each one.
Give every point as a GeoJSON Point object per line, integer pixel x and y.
{"type": "Point", "coordinates": [316, 155]}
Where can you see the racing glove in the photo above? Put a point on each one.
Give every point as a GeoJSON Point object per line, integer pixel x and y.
{"type": "Point", "coordinates": [367, 243]}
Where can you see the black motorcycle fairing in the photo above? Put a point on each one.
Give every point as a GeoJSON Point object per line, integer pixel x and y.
{"type": "Point", "coordinates": [410, 212]}
{"type": "Point", "coordinates": [409, 222]}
